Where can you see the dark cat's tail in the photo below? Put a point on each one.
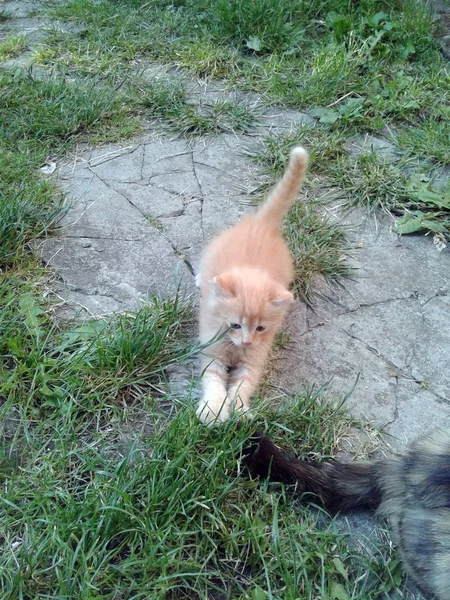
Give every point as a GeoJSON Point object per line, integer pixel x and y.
{"type": "Point", "coordinates": [338, 486]}
{"type": "Point", "coordinates": [412, 491]}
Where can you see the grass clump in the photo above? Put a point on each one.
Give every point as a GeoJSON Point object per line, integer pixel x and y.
{"type": "Point", "coordinates": [92, 360]}
{"type": "Point", "coordinates": [204, 58]}
{"type": "Point", "coordinates": [317, 245]}
{"type": "Point", "coordinates": [218, 117]}
{"type": "Point", "coordinates": [5, 16]}
{"type": "Point", "coordinates": [368, 181]}
{"type": "Point", "coordinates": [324, 145]}
{"type": "Point", "coordinates": [12, 46]}
{"type": "Point", "coordinates": [262, 26]}
{"type": "Point", "coordinates": [431, 139]}
{"type": "Point", "coordinates": [168, 103]}
{"type": "Point", "coordinates": [45, 112]}
{"type": "Point", "coordinates": [162, 98]}
{"type": "Point", "coordinates": [27, 205]}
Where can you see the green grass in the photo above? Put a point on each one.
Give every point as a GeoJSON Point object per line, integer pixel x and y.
{"type": "Point", "coordinates": [50, 112]}
{"type": "Point", "coordinates": [166, 514]}
{"type": "Point", "coordinates": [46, 116]}
{"type": "Point", "coordinates": [4, 16]}
{"type": "Point", "coordinates": [27, 206]}
{"type": "Point", "coordinates": [87, 362]}
{"type": "Point", "coordinates": [167, 101]}
{"type": "Point", "coordinates": [42, 117]}
{"type": "Point", "coordinates": [431, 139]}
{"type": "Point", "coordinates": [12, 46]}
{"type": "Point", "coordinates": [221, 116]}
{"type": "Point", "coordinates": [120, 490]}
{"type": "Point", "coordinates": [324, 144]}
{"type": "Point", "coordinates": [317, 245]}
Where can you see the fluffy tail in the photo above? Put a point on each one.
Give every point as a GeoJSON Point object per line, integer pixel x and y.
{"type": "Point", "coordinates": [340, 487]}
{"type": "Point", "coordinates": [283, 195]}
{"type": "Point", "coordinates": [413, 490]}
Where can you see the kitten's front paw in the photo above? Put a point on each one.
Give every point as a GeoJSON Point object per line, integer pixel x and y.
{"type": "Point", "coordinates": [212, 411]}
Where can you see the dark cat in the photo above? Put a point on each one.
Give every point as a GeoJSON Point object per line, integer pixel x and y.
{"type": "Point", "coordinates": [412, 491]}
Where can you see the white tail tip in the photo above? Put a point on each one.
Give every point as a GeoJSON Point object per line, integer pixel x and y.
{"type": "Point", "coordinates": [299, 155]}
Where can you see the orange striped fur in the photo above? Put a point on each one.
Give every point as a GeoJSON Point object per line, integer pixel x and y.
{"type": "Point", "coordinates": [244, 277]}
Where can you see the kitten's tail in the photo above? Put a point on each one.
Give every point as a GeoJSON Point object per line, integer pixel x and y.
{"type": "Point", "coordinates": [338, 486]}
{"type": "Point", "coordinates": [283, 195]}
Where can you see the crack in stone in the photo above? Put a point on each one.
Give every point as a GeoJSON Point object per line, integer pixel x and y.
{"type": "Point", "coordinates": [111, 187]}
{"type": "Point", "coordinates": [186, 200]}
{"type": "Point", "coordinates": [127, 182]}
{"type": "Point", "coordinates": [396, 411]}
{"type": "Point", "coordinates": [202, 195]}
{"type": "Point", "coordinates": [178, 252]}
{"type": "Point", "coordinates": [171, 191]}
{"type": "Point", "coordinates": [316, 326]}
{"type": "Point", "coordinates": [412, 353]}
{"type": "Point", "coordinates": [189, 266]}
{"type": "Point", "coordinates": [112, 155]}
{"type": "Point", "coordinates": [93, 237]}
{"type": "Point", "coordinates": [142, 162]}
{"type": "Point", "coordinates": [162, 230]}
{"type": "Point", "coordinates": [412, 296]}
{"type": "Point", "coordinates": [395, 414]}
{"type": "Point", "coordinates": [92, 294]}
{"type": "Point", "coordinates": [441, 292]}
{"type": "Point", "coordinates": [176, 213]}
{"type": "Point", "coordinates": [166, 156]}
{"type": "Point", "coordinates": [175, 172]}
{"type": "Point", "coordinates": [346, 312]}
{"type": "Point", "coordinates": [227, 173]}
{"type": "Point", "coordinates": [396, 371]}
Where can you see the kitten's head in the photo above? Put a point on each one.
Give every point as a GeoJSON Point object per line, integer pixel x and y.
{"type": "Point", "coordinates": [249, 304]}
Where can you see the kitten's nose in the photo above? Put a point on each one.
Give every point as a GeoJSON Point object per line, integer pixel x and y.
{"type": "Point", "coordinates": [246, 343]}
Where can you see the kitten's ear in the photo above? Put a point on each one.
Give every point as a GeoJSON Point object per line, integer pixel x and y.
{"type": "Point", "coordinates": [224, 286]}
{"type": "Point", "coordinates": [281, 298]}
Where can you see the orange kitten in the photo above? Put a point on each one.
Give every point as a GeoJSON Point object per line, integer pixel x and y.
{"type": "Point", "coordinates": [244, 277]}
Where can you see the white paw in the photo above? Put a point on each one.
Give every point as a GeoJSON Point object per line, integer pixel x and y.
{"type": "Point", "coordinates": [213, 411]}
{"type": "Point", "coordinates": [198, 280]}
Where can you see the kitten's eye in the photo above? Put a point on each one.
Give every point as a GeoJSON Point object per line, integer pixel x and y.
{"type": "Point", "coordinates": [235, 326]}
{"type": "Point", "coordinates": [260, 328]}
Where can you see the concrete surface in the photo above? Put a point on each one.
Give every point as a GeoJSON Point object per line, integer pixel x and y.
{"type": "Point", "coordinates": [388, 328]}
